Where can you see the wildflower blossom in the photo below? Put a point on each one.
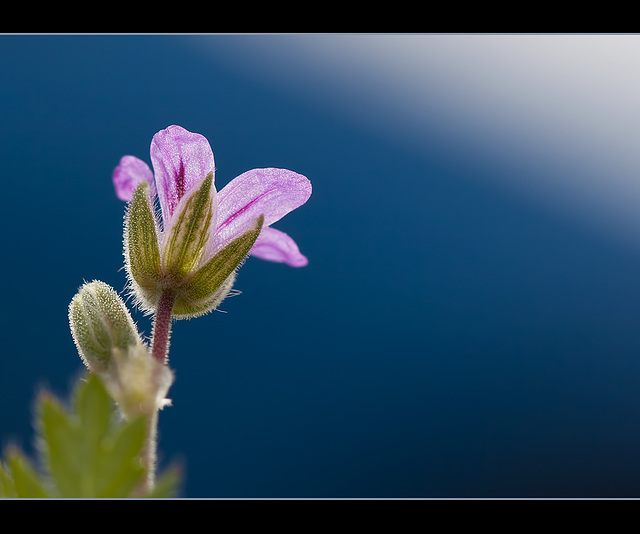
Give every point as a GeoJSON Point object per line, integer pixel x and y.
{"type": "Point", "coordinates": [193, 249]}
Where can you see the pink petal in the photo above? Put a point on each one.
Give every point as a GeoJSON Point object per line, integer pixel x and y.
{"type": "Point", "coordinates": [128, 175]}
{"type": "Point", "coordinates": [180, 159]}
{"type": "Point", "coordinates": [274, 245]}
{"type": "Point", "coordinates": [272, 192]}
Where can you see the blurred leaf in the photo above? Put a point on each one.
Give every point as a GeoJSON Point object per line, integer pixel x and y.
{"type": "Point", "coordinates": [167, 483]}
{"type": "Point", "coordinates": [86, 454]}
{"type": "Point", "coordinates": [7, 487]}
{"type": "Point", "coordinates": [119, 469]}
{"type": "Point", "coordinates": [26, 480]}
{"type": "Point", "coordinates": [58, 445]}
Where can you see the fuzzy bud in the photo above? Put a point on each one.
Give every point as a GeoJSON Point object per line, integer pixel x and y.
{"type": "Point", "coordinates": [100, 322]}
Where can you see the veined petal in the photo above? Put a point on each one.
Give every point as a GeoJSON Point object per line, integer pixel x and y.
{"type": "Point", "coordinates": [180, 159]}
{"type": "Point", "coordinates": [129, 174]}
{"type": "Point", "coordinates": [274, 245]}
{"type": "Point", "coordinates": [272, 192]}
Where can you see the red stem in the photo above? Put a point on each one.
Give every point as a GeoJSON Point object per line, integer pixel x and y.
{"type": "Point", "coordinates": [162, 328]}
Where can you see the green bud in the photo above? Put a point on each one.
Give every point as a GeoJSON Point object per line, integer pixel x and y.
{"type": "Point", "coordinates": [142, 255]}
{"type": "Point", "coordinates": [211, 283]}
{"type": "Point", "coordinates": [189, 233]}
{"type": "Point", "coordinates": [100, 322]}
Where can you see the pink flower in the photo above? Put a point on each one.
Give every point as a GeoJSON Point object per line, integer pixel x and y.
{"type": "Point", "coordinates": [181, 160]}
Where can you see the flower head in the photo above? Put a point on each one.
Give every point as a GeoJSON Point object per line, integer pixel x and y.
{"type": "Point", "coordinates": [201, 237]}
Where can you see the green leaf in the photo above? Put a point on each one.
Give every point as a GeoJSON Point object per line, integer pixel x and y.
{"type": "Point", "coordinates": [167, 483]}
{"type": "Point", "coordinates": [120, 469]}
{"type": "Point", "coordinates": [189, 232]}
{"type": "Point", "coordinates": [86, 454]}
{"type": "Point", "coordinates": [7, 487]}
{"type": "Point", "coordinates": [61, 435]}
{"type": "Point", "coordinates": [26, 480]}
{"type": "Point", "coordinates": [94, 409]}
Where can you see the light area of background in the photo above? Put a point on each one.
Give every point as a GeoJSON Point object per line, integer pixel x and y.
{"type": "Point", "coordinates": [558, 115]}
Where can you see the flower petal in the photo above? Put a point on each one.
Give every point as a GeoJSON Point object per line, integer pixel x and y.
{"type": "Point", "coordinates": [272, 192]}
{"type": "Point", "coordinates": [180, 159]}
{"type": "Point", "coordinates": [128, 175]}
{"type": "Point", "coordinates": [274, 245]}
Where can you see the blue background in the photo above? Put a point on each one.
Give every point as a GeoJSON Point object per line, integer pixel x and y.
{"type": "Point", "coordinates": [447, 339]}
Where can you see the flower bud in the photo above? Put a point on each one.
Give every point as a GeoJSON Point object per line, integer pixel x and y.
{"type": "Point", "coordinates": [100, 322]}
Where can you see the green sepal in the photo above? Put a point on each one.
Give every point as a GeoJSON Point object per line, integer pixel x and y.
{"type": "Point", "coordinates": [142, 252]}
{"type": "Point", "coordinates": [99, 322]}
{"type": "Point", "coordinates": [212, 282]}
{"type": "Point", "coordinates": [189, 232]}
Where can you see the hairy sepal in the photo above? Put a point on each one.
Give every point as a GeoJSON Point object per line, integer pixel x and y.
{"type": "Point", "coordinates": [187, 236]}
{"type": "Point", "coordinates": [212, 282]}
{"type": "Point", "coordinates": [141, 250]}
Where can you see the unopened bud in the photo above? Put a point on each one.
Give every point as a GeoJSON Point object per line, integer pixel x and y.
{"type": "Point", "coordinates": [100, 322]}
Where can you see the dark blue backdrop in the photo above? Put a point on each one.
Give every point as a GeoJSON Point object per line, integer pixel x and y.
{"type": "Point", "coordinates": [446, 339]}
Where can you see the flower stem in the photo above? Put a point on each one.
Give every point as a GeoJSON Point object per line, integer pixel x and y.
{"type": "Point", "coordinates": [149, 453]}
{"type": "Point", "coordinates": [160, 351]}
{"type": "Point", "coordinates": [162, 328]}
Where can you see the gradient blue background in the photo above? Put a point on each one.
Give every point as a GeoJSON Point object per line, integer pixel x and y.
{"type": "Point", "coordinates": [448, 338]}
